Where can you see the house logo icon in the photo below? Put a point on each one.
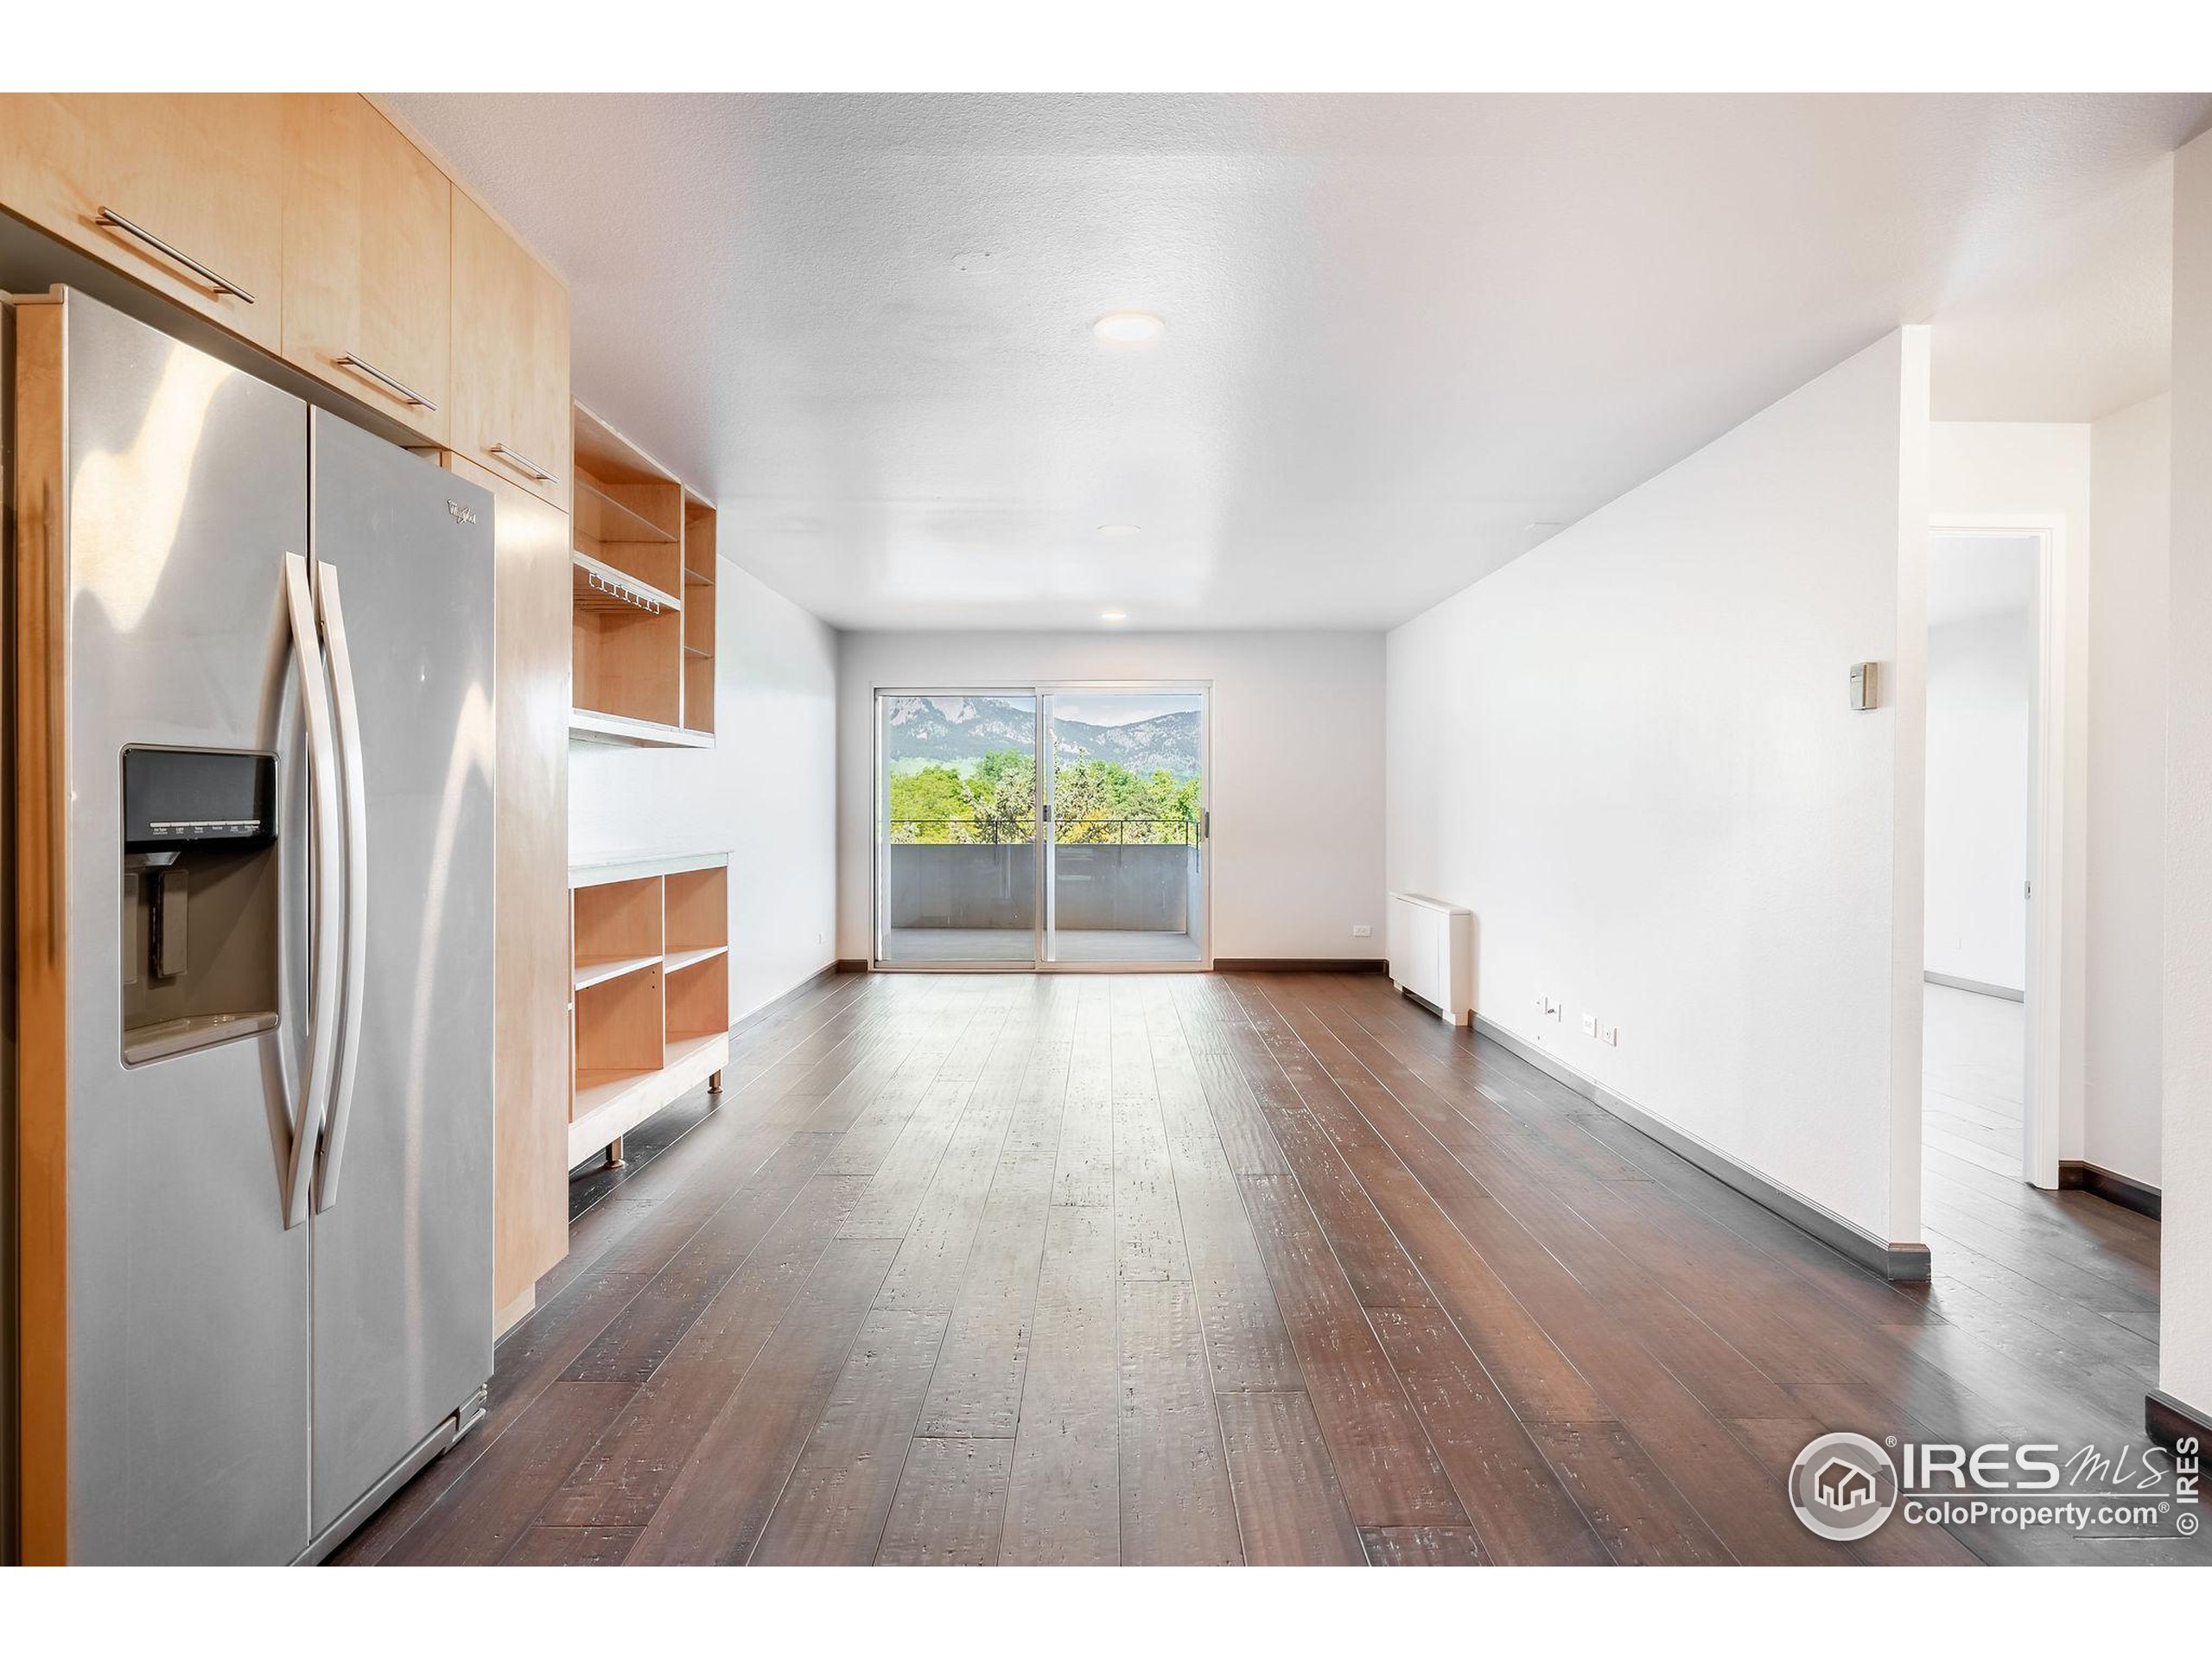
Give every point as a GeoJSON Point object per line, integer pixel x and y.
{"type": "Point", "coordinates": [1843, 1487]}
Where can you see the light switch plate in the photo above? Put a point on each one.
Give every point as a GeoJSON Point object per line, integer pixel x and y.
{"type": "Point", "coordinates": [1865, 686]}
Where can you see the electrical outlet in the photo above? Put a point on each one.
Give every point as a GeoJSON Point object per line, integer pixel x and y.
{"type": "Point", "coordinates": [1361, 931]}
{"type": "Point", "coordinates": [1589, 1025]}
{"type": "Point", "coordinates": [1609, 1034]}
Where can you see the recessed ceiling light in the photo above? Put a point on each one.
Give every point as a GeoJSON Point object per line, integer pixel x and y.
{"type": "Point", "coordinates": [1128, 327]}
{"type": "Point", "coordinates": [1112, 616]}
{"type": "Point", "coordinates": [1120, 532]}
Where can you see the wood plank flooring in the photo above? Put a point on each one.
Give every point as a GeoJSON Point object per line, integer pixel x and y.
{"type": "Point", "coordinates": [1215, 1269]}
{"type": "Point", "coordinates": [1974, 1066]}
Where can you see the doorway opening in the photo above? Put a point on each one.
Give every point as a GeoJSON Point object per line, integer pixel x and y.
{"type": "Point", "coordinates": [1991, 779]}
{"type": "Point", "coordinates": [1043, 827]}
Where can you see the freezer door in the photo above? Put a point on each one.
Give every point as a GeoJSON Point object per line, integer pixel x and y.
{"type": "Point", "coordinates": [403, 1223]}
{"type": "Point", "coordinates": [187, 1295]}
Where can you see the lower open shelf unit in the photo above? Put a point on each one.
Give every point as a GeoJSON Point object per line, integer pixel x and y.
{"type": "Point", "coordinates": [649, 1007]}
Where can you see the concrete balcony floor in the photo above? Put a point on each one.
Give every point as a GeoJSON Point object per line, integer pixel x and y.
{"type": "Point", "coordinates": [1017, 945]}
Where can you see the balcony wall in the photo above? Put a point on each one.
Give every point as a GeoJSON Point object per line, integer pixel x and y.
{"type": "Point", "coordinates": [1128, 889]}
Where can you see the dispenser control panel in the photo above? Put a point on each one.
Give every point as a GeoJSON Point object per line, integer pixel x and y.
{"type": "Point", "coordinates": [200, 955]}
{"type": "Point", "coordinates": [172, 796]}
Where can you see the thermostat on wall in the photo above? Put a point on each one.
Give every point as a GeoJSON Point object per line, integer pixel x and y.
{"type": "Point", "coordinates": [1864, 688]}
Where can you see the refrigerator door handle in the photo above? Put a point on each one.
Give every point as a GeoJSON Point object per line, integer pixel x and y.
{"type": "Point", "coordinates": [322, 1034]}
{"type": "Point", "coordinates": [355, 974]}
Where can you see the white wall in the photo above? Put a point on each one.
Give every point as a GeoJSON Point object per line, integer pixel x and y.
{"type": "Point", "coordinates": [1631, 753]}
{"type": "Point", "coordinates": [1297, 760]}
{"type": "Point", "coordinates": [1980, 686]}
{"type": "Point", "coordinates": [2185, 1253]}
{"type": "Point", "coordinates": [766, 792]}
{"type": "Point", "coordinates": [2127, 785]}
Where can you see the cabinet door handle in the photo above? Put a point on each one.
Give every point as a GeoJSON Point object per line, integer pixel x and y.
{"type": "Point", "coordinates": [522, 463]}
{"type": "Point", "coordinates": [405, 393]}
{"type": "Point", "coordinates": [216, 283]}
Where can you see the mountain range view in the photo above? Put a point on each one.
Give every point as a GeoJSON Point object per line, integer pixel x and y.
{"type": "Point", "coordinates": [953, 731]}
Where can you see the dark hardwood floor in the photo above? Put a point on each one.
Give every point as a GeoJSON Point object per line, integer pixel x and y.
{"type": "Point", "coordinates": [1266, 1268]}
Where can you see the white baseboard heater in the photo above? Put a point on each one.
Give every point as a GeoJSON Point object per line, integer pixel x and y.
{"type": "Point", "coordinates": [1432, 954]}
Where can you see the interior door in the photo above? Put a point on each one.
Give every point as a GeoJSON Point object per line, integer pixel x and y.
{"type": "Point", "coordinates": [957, 843]}
{"type": "Point", "coordinates": [403, 1223]}
{"type": "Point", "coordinates": [1125, 857]}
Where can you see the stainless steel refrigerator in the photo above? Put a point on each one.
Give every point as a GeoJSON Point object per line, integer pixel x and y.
{"type": "Point", "coordinates": [252, 709]}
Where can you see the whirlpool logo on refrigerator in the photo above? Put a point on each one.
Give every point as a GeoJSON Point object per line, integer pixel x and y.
{"type": "Point", "coordinates": [461, 515]}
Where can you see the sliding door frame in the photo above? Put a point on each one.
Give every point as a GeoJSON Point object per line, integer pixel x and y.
{"type": "Point", "coordinates": [1040, 827]}
{"type": "Point", "coordinates": [1202, 919]}
{"type": "Point", "coordinates": [880, 844]}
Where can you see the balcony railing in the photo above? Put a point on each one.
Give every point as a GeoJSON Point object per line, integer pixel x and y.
{"type": "Point", "coordinates": [1069, 832]}
{"type": "Point", "coordinates": [1105, 883]}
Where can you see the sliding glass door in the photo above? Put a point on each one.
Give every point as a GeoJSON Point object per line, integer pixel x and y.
{"type": "Point", "coordinates": [1046, 826]}
{"type": "Point", "coordinates": [957, 817]}
{"type": "Point", "coordinates": [1124, 871]}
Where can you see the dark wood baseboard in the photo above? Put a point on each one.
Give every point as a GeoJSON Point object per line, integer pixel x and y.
{"type": "Point", "coordinates": [847, 966]}
{"type": "Point", "coordinates": [2074, 1176]}
{"type": "Point", "coordinates": [1301, 965]}
{"type": "Point", "coordinates": [1903, 1262]}
{"type": "Point", "coordinates": [2169, 1422]}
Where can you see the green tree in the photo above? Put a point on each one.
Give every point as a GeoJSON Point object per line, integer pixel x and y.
{"type": "Point", "coordinates": [925, 802]}
{"type": "Point", "coordinates": [1002, 796]}
{"type": "Point", "coordinates": [993, 800]}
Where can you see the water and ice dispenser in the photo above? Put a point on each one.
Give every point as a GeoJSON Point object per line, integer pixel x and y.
{"type": "Point", "coordinates": [202, 903]}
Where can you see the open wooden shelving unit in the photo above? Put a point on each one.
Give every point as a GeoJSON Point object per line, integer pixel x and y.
{"type": "Point", "coordinates": [642, 577]}
{"type": "Point", "coordinates": [649, 979]}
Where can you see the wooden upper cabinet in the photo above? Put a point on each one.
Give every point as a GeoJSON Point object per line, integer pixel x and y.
{"type": "Point", "coordinates": [510, 357]}
{"type": "Point", "coordinates": [184, 191]}
{"type": "Point", "coordinates": [368, 259]}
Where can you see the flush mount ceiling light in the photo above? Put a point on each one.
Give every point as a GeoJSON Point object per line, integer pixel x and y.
{"type": "Point", "coordinates": [1128, 327]}
{"type": "Point", "coordinates": [1119, 533]}
{"type": "Point", "coordinates": [1112, 616]}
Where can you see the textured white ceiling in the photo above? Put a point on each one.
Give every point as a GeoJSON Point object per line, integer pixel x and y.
{"type": "Point", "coordinates": [1401, 331]}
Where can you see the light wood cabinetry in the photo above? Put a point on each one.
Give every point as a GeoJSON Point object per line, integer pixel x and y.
{"type": "Point", "coordinates": [651, 978]}
{"type": "Point", "coordinates": [312, 226]}
{"type": "Point", "coordinates": [530, 858]}
{"type": "Point", "coordinates": [699, 598]}
{"type": "Point", "coordinates": [182, 191]}
{"type": "Point", "coordinates": [510, 357]}
{"type": "Point", "coordinates": [643, 580]}
{"type": "Point", "coordinates": [316, 228]}
{"type": "Point", "coordinates": [368, 259]}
